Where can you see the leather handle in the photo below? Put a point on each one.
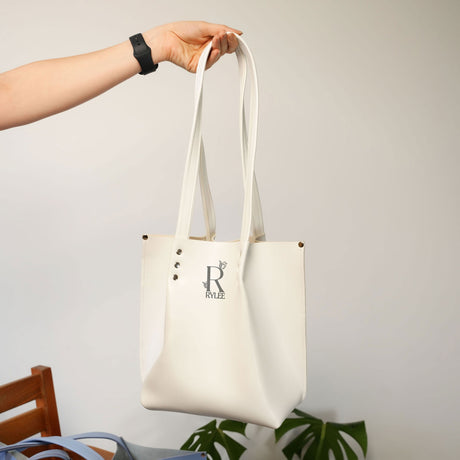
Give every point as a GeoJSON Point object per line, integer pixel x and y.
{"type": "Point", "coordinates": [196, 162]}
{"type": "Point", "coordinates": [249, 174]}
{"type": "Point", "coordinates": [51, 453]}
{"type": "Point", "coordinates": [71, 444]}
{"type": "Point", "coordinates": [258, 230]}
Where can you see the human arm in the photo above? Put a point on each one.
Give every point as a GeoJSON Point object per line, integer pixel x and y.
{"type": "Point", "coordinates": [40, 89]}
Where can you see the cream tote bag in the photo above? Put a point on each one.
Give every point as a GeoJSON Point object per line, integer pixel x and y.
{"type": "Point", "coordinates": [223, 323]}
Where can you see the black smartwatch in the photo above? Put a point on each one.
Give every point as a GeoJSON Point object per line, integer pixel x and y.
{"type": "Point", "coordinates": [143, 54]}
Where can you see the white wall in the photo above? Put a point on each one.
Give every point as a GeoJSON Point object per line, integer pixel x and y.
{"type": "Point", "coordinates": [358, 156]}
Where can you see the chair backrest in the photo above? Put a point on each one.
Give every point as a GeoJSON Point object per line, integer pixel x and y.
{"type": "Point", "coordinates": [43, 419]}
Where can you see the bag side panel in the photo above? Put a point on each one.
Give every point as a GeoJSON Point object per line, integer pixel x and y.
{"type": "Point", "coordinates": [156, 254]}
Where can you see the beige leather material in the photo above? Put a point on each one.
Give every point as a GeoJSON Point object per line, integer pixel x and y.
{"type": "Point", "coordinates": [223, 323]}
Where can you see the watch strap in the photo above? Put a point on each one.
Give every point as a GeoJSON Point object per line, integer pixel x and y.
{"type": "Point", "coordinates": [143, 53]}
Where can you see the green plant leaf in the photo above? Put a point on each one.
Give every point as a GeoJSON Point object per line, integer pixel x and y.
{"type": "Point", "coordinates": [206, 437]}
{"type": "Point", "coordinates": [291, 423]}
{"type": "Point", "coordinates": [319, 438]}
{"type": "Point", "coordinates": [202, 440]}
{"type": "Point", "coordinates": [234, 449]}
{"type": "Point", "coordinates": [231, 425]}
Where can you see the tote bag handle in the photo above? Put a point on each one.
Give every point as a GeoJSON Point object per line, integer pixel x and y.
{"type": "Point", "coordinates": [245, 61]}
{"type": "Point", "coordinates": [206, 197]}
{"type": "Point", "coordinates": [196, 158]}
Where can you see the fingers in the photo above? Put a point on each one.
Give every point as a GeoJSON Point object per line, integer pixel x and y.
{"type": "Point", "coordinates": [213, 57]}
{"type": "Point", "coordinates": [215, 29]}
{"type": "Point", "coordinates": [218, 48]}
{"type": "Point", "coordinates": [232, 43]}
{"type": "Point", "coordinates": [222, 43]}
{"type": "Point", "coordinates": [229, 29]}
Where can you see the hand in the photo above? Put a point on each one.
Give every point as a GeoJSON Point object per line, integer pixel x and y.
{"type": "Point", "coordinates": [183, 42]}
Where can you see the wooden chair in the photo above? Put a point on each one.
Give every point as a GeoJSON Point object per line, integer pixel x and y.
{"type": "Point", "coordinates": [42, 419]}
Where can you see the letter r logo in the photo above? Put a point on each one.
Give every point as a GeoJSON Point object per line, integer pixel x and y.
{"type": "Point", "coordinates": [214, 273]}
{"type": "Point", "coordinates": [216, 280]}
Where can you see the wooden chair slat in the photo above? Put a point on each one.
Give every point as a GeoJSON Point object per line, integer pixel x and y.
{"type": "Point", "coordinates": [22, 426]}
{"type": "Point", "coordinates": [21, 391]}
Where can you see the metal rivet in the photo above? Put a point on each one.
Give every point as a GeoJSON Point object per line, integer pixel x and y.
{"type": "Point", "coordinates": [301, 245]}
{"type": "Point", "coordinates": [177, 264]}
{"type": "Point", "coordinates": [175, 277]}
{"type": "Point", "coordinates": [145, 237]}
{"type": "Point", "coordinates": [179, 252]}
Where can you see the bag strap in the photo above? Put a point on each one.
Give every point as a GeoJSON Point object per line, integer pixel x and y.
{"type": "Point", "coordinates": [103, 435]}
{"type": "Point", "coordinates": [68, 443]}
{"type": "Point", "coordinates": [258, 222]}
{"type": "Point", "coordinates": [249, 173]}
{"type": "Point", "coordinates": [206, 198]}
{"type": "Point", "coordinates": [73, 444]}
{"type": "Point", "coordinates": [193, 158]}
{"type": "Point", "coordinates": [51, 453]}
{"type": "Point", "coordinates": [196, 152]}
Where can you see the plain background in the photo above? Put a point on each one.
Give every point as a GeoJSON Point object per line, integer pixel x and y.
{"type": "Point", "coordinates": [358, 156]}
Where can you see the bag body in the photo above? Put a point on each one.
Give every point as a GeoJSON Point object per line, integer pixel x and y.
{"type": "Point", "coordinates": [223, 323]}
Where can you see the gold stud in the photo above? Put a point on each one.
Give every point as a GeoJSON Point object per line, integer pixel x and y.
{"type": "Point", "coordinates": [301, 245]}
{"type": "Point", "coordinates": [179, 252]}
{"type": "Point", "coordinates": [177, 264]}
{"type": "Point", "coordinates": [145, 237]}
{"type": "Point", "coordinates": [175, 277]}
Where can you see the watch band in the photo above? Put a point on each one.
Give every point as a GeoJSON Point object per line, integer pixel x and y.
{"type": "Point", "coordinates": [143, 54]}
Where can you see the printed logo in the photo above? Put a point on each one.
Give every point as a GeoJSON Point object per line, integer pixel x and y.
{"type": "Point", "coordinates": [214, 275]}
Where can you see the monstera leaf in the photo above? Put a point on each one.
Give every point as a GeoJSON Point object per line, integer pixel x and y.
{"type": "Point", "coordinates": [206, 438]}
{"type": "Point", "coordinates": [318, 438]}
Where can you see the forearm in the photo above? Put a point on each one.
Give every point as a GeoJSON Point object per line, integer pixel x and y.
{"type": "Point", "coordinates": [43, 88]}
{"type": "Point", "coordinates": [38, 90]}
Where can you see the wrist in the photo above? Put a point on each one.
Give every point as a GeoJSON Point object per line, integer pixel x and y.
{"type": "Point", "coordinates": [155, 39]}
